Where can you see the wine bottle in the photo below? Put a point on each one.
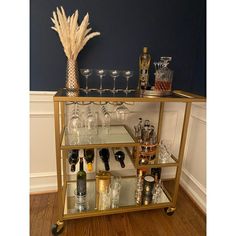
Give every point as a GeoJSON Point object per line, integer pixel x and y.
{"type": "Point", "coordinates": [73, 159]}
{"type": "Point", "coordinates": [119, 156]}
{"type": "Point", "coordinates": [105, 155]}
{"type": "Point", "coordinates": [81, 179]}
{"type": "Point", "coordinates": [89, 157]}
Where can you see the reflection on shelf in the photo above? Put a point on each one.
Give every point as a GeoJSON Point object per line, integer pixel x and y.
{"type": "Point", "coordinates": [127, 195]}
{"type": "Point", "coordinates": [157, 162]}
{"type": "Point", "coordinates": [116, 135]}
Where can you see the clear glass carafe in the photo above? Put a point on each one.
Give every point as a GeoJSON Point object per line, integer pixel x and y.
{"type": "Point", "coordinates": [163, 77]}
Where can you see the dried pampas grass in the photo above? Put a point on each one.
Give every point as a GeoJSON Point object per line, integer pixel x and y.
{"type": "Point", "coordinates": [72, 36]}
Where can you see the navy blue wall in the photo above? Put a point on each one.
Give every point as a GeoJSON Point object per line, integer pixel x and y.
{"type": "Point", "coordinates": [168, 27]}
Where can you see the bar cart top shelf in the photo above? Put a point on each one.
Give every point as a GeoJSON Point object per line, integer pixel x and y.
{"type": "Point", "coordinates": [107, 96]}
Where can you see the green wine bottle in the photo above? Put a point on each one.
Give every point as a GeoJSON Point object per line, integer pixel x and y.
{"type": "Point", "coordinates": [81, 179]}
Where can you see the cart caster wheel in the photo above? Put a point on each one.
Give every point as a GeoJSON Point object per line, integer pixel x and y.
{"type": "Point", "coordinates": [169, 210]}
{"type": "Point", "coordinates": [57, 228]}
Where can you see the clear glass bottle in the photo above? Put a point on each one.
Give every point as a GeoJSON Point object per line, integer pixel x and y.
{"type": "Point", "coordinates": [144, 63]}
{"type": "Point", "coordinates": [156, 190]}
{"type": "Point", "coordinates": [138, 130]}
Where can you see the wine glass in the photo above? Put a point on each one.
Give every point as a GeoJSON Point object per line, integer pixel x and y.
{"type": "Point", "coordinates": [91, 121]}
{"type": "Point", "coordinates": [106, 119]}
{"type": "Point", "coordinates": [75, 121]}
{"type": "Point", "coordinates": [101, 73]}
{"type": "Point", "coordinates": [122, 112]}
{"type": "Point", "coordinates": [86, 73]}
{"type": "Point", "coordinates": [114, 74]}
{"type": "Point", "coordinates": [127, 74]}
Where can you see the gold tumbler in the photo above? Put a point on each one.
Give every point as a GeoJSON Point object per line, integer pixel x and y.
{"type": "Point", "coordinates": [103, 180]}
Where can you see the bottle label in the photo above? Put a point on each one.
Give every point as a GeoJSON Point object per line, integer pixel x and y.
{"type": "Point", "coordinates": [81, 187]}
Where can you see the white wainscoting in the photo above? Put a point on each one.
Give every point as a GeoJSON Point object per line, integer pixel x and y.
{"type": "Point", "coordinates": [193, 178]}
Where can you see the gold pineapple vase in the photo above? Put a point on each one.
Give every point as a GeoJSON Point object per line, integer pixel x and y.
{"type": "Point", "coordinates": [72, 76]}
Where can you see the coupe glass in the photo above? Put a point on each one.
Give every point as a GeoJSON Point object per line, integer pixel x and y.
{"type": "Point", "coordinates": [114, 74]}
{"type": "Point", "coordinates": [127, 74]}
{"type": "Point", "coordinates": [86, 73]}
{"type": "Point", "coordinates": [101, 73]}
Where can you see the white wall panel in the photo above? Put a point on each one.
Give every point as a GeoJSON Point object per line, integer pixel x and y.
{"type": "Point", "coordinates": [193, 177]}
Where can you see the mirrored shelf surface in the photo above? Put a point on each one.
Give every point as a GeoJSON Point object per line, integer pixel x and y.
{"type": "Point", "coordinates": [157, 162]}
{"type": "Point", "coordinates": [177, 95]}
{"type": "Point", "coordinates": [117, 135]}
{"type": "Point", "coordinates": [127, 196]}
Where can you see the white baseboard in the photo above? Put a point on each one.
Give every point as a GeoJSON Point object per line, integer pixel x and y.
{"type": "Point", "coordinates": [42, 182]}
{"type": "Point", "coordinates": [195, 190]}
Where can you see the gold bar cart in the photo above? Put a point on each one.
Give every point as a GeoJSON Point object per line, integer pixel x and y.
{"type": "Point", "coordinates": [66, 185]}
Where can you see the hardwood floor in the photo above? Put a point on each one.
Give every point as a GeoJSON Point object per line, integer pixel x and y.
{"type": "Point", "coordinates": [187, 220]}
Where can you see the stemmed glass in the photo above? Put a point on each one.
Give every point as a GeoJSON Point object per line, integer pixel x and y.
{"type": "Point", "coordinates": [86, 73]}
{"type": "Point", "coordinates": [122, 112]}
{"type": "Point", "coordinates": [114, 74]}
{"type": "Point", "coordinates": [106, 118]}
{"type": "Point", "coordinates": [101, 73]}
{"type": "Point", "coordinates": [127, 74]}
{"type": "Point", "coordinates": [74, 124]}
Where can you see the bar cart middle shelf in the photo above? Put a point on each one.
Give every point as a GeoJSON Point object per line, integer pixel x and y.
{"type": "Point", "coordinates": [119, 136]}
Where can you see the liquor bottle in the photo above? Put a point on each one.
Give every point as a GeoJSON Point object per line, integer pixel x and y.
{"type": "Point", "coordinates": [89, 157]}
{"type": "Point", "coordinates": [81, 179]}
{"type": "Point", "coordinates": [73, 159]}
{"type": "Point", "coordinates": [144, 63]}
{"type": "Point", "coordinates": [138, 130]}
{"type": "Point", "coordinates": [105, 155]}
{"type": "Point", "coordinates": [156, 171]}
{"type": "Point", "coordinates": [119, 156]}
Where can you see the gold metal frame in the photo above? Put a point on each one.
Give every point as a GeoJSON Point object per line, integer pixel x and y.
{"type": "Point", "coordinates": [61, 153]}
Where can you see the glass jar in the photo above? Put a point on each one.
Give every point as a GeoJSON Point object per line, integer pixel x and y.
{"type": "Point", "coordinates": [163, 77]}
